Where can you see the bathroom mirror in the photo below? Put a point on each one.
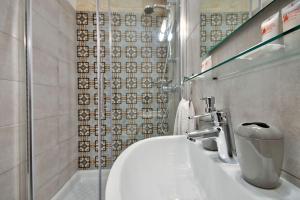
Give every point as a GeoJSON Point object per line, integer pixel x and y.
{"type": "Point", "coordinates": [219, 19]}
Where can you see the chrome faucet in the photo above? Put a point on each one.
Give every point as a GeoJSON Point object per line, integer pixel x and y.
{"type": "Point", "coordinates": [206, 133]}
{"type": "Point", "coordinates": [221, 132]}
{"type": "Point", "coordinates": [210, 107]}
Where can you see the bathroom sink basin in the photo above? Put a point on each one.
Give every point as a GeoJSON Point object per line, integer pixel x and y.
{"type": "Point", "coordinates": [173, 168]}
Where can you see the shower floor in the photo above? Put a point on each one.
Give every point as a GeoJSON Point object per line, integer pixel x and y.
{"type": "Point", "coordinates": [83, 186]}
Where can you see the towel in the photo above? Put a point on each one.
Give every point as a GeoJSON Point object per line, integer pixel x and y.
{"type": "Point", "coordinates": [182, 124]}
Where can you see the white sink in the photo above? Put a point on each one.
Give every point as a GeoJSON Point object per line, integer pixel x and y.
{"type": "Point", "coordinates": [173, 168]}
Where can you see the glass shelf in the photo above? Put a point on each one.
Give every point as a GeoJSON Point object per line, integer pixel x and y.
{"type": "Point", "coordinates": [238, 28]}
{"type": "Point", "coordinates": [283, 47]}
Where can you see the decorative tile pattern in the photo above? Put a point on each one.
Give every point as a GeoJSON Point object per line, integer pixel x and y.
{"type": "Point", "coordinates": [117, 129]}
{"type": "Point", "coordinates": [131, 52]}
{"type": "Point", "coordinates": [116, 52]}
{"type": "Point", "coordinates": [161, 67]}
{"type": "Point", "coordinates": [82, 35]}
{"type": "Point", "coordinates": [116, 19]}
{"type": "Point", "coordinates": [131, 98]}
{"type": "Point", "coordinates": [131, 82]}
{"type": "Point", "coordinates": [84, 146]}
{"type": "Point", "coordinates": [116, 36]}
{"type": "Point", "coordinates": [214, 27]}
{"type": "Point", "coordinates": [116, 83]}
{"type": "Point", "coordinates": [161, 52]}
{"type": "Point", "coordinates": [84, 162]}
{"type": "Point", "coordinates": [147, 113]}
{"type": "Point", "coordinates": [84, 99]}
{"type": "Point", "coordinates": [147, 82]}
{"type": "Point", "coordinates": [84, 130]}
{"type": "Point", "coordinates": [82, 18]}
{"type": "Point", "coordinates": [147, 98]}
{"type": "Point", "coordinates": [130, 19]}
{"type": "Point", "coordinates": [130, 36]}
{"type": "Point", "coordinates": [146, 36]}
{"type": "Point", "coordinates": [102, 35]}
{"type": "Point", "coordinates": [136, 102]}
{"type": "Point", "coordinates": [84, 115]}
{"type": "Point", "coordinates": [83, 67]}
{"type": "Point", "coordinates": [131, 113]}
{"type": "Point", "coordinates": [116, 98]}
{"type": "Point", "coordinates": [116, 67]}
{"type": "Point", "coordinates": [146, 20]}
{"type": "Point", "coordinates": [131, 67]}
{"type": "Point", "coordinates": [82, 51]}
{"type": "Point", "coordinates": [146, 52]}
{"type": "Point", "coordinates": [147, 128]}
{"type": "Point", "coordinates": [131, 129]}
{"type": "Point", "coordinates": [146, 67]}
{"type": "Point", "coordinates": [83, 83]}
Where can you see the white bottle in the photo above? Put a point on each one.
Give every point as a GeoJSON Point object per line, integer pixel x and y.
{"type": "Point", "coordinates": [270, 27]}
{"type": "Point", "coordinates": [291, 19]}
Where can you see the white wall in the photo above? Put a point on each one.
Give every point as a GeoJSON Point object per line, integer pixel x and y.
{"type": "Point", "coordinates": [54, 95]}
{"type": "Point", "coordinates": [270, 95]}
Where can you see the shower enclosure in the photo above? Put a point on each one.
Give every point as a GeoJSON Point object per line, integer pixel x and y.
{"type": "Point", "coordinates": [100, 76]}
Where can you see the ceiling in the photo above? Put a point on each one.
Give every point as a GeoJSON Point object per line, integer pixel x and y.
{"type": "Point", "coordinates": [116, 5]}
{"type": "Point", "coordinates": [224, 5]}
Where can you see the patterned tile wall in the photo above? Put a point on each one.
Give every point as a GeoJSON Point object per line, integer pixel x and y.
{"type": "Point", "coordinates": [214, 27]}
{"type": "Point", "coordinates": [138, 106]}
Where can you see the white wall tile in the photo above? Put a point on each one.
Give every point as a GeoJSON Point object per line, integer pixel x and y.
{"type": "Point", "coordinates": [12, 183]}
{"type": "Point", "coordinates": [12, 15]}
{"type": "Point", "coordinates": [45, 102]}
{"type": "Point", "coordinates": [49, 10]}
{"type": "Point", "coordinates": [45, 36]}
{"type": "Point", "coordinates": [12, 106]}
{"type": "Point", "coordinates": [46, 134]}
{"type": "Point", "coordinates": [11, 58]}
{"type": "Point", "coordinates": [193, 52]}
{"type": "Point", "coordinates": [193, 17]}
{"type": "Point", "coordinates": [55, 68]}
{"type": "Point", "coordinates": [67, 127]}
{"type": "Point", "coordinates": [45, 68]}
{"type": "Point", "coordinates": [12, 143]}
{"type": "Point", "coordinates": [46, 166]}
{"type": "Point", "coordinates": [48, 190]}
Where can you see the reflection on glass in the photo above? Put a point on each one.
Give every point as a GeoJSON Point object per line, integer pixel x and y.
{"type": "Point", "coordinates": [218, 19]}
{"type": "Point", "coordinates": [262, 55]}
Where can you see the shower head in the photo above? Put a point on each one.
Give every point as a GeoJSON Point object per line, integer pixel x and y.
{"type": "Point", "coordinates": [149, 9]}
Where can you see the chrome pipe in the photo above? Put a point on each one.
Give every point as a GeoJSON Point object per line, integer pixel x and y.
{"type": "Point", "coordinates": [30, 186]}
{"type": "Point", "coordinates": [100, 96]}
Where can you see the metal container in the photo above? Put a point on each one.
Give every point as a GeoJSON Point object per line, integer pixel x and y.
{"type": "Point", "coordinates": [210, 144]}
{"type": "Point", "coordinates": [260, 154]}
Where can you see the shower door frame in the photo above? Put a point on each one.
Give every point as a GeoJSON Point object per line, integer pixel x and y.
{"type": "Point", "coordinates": [30, 178]}
{"type": "Point", "coordinates": [29, 101]}
{"type": "Point", "coordinates": [100, 95]}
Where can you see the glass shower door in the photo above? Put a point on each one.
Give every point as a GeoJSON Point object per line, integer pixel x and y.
{"type": "Point", "coordinates": [65, 115]}
{"type": "Point", "coordinates": [98, 87]}
{"type": "Point", "coordinates": [141, 74]}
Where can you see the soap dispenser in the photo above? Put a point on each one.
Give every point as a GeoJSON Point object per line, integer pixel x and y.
{"type": "Point", "coordinates": [260, 153]}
